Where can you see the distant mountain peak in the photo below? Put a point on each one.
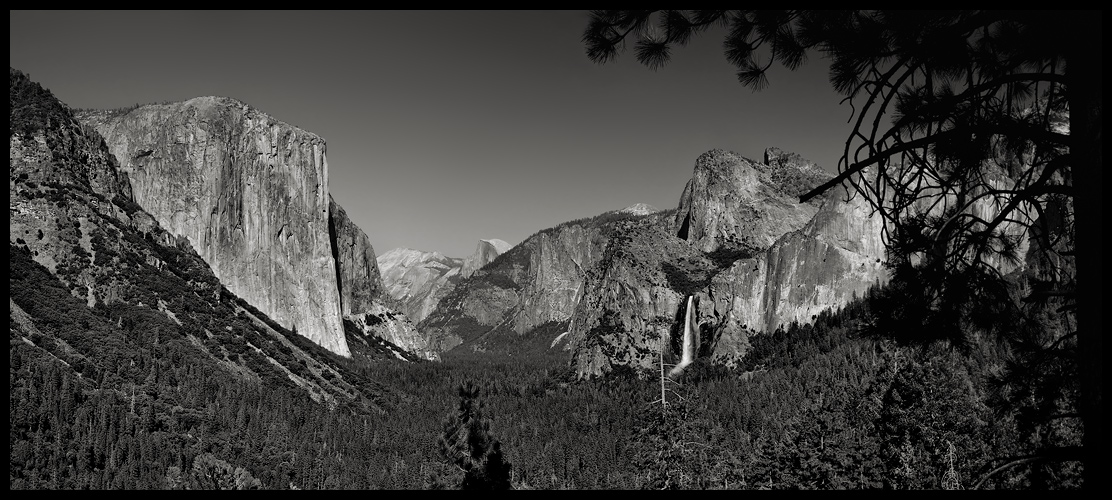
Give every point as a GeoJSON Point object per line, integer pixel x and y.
{"type": "Point", "coordinates": [418, 279]}
{"type": "Point", "coordinates": [499, 245]}
{"type": "Point", "coordinates": [639, 209]}
{"type": "Point", "coordinates": [485, 252]}
{"type": "Point", "coordinates": [406, 251]}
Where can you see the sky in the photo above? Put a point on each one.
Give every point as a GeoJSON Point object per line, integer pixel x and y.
{"type": "Point", "coordinates": [446, 127]}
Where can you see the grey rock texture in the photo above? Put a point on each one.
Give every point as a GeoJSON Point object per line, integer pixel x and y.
{"type": "Point", "coordinates": [558, 262]}
{"type": "Point", "coordinates": [71, 211]}
{"type": "Point", "coordinates": [618, 278]}
{"type": "Point", "coordinates": [485, 252]}
{"type": "Point", "coordinates": [358, 278]}
{"type": "Point", "coordinates": [363, 298]}
{"type": "Point", "coordinates": [384, 322]}
{"type": "Point", "coordinates": [417, 280]}
{"type": "Point", "coordinates": [838, 255]}
{"type": "Point", "coordinates": [789, 262]}
{"type": "Point", "coordinates": [75, 157]}
{"type": "Point", "coordinates": [732, 201]}
{"type": "Point", "coordinates": [62, 183]}
{"type": "Point", "coordinates": [628, 303]}
{"type": "Point", "coordinates": [536, 283]}
{"type": "Point", "coordinates": [249, 192]}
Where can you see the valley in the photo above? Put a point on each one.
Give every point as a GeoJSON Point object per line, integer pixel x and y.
{"type": "Point", "coordinates": [192, 308]}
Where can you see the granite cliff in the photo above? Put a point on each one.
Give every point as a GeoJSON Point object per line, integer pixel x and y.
{"type": "Point", "coordinates": [732, 201]}
{"type": "Point", "coordinates": [417, 280]}
{"type": "Point", "coordinates": [752, 257]}
{"type": "Point", "coordinates": [97, 283]}
{"type": "Point", "coordinates": [835, 257]}
{"type": "Point", "coordinates": [485, 253]}
{"type": "Point", "coordinates": [631, 294]}
{"type": "Point", "coordinates": [358, 278]}
{"type": "Point", "coordinates": [742, 244]}
{"type": "Point", "coordinates": [363, 299]}
{"type": "Point", "coordinates": [250, 194]}
{"type": "Point", "coordinates": [524, 297]}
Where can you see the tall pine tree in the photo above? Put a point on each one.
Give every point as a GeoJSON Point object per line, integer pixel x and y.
{"type": "Point", "coordinates": [468, 444]}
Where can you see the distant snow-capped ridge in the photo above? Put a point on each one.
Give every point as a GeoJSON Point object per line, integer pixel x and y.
{"type": "Point", "coordinates": [639, 209]}
{"type": "Point", "coordinates": [418, 279]}
{"type": "Point", "coordinates": [498, 244]}
{"type": "Point", "coordinates": [407, 257]}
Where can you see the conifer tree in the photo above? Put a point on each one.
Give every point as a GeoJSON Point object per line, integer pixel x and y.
{"type": "Point", "coordinates": [468, 444]}
{"type": "Point", "coordinates": [949, 108]}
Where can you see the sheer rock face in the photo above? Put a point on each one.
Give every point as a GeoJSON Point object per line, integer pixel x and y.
{"type": "Point", "coordinates": [817, 256]}
{"type": "Point", "coordinates": [838, 255]}
{"type": "Point", "coordinates": [534, 283]}
{"type": "Point", "coordinates": [363, 298]}
{"type": "Point", "coordinates": [382, 321]}
{"type": "Point", "coordinates": [485, 252]}
{"type": "Point", "coordinates": [249, 192]}
{"type": "Point", "coordinates": [72, 212]}
{"type": "Point", "coordinates": [359, 281]}
{"type": "Point", "coordinates": [734, 202]}
{"type": "Point", "coordinates": [417, 280]}
{"type": "Point", "coordinates": [557, 267]}
{"type": "Point", "coordinates": [628, 305]}
{"type": "Point", "coordinates": [70, 207]}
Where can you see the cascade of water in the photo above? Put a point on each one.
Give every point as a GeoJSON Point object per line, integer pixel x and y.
{"type": "Point", "coordinates": [690, 329]}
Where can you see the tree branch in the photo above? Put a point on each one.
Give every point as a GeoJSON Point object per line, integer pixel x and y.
{"type": "Point", "coordinates": [1036, 134]}
{"type": "Point", "coordinates": [1062, 454]}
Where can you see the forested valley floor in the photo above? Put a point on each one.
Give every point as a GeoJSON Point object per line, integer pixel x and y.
{"type": "Point", "coordinates": [823, 406]}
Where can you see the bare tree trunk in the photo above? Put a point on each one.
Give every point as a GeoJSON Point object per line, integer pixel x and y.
{"type": "Point", "coordinates": [1085, 84]}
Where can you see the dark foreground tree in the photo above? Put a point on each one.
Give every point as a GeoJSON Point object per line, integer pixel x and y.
{"type": "Point", "coordinates": [969, 130]}
{"type": "Point", "coordinates": [468, 444]}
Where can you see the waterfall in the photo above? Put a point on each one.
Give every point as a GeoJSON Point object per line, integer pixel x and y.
{"type": "Point", "coordinates": [690, 330]}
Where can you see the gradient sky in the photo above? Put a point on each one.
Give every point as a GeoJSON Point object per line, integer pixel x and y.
{"type": "Point", "coordinates": [445, 127]}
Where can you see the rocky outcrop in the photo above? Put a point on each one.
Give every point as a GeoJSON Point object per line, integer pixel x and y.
{"type": "Point", "coordinates": [381, 321]}
{"type": "Point", "coordinates": [249, 192]}
{"type": "Point", "coordinates": [75, 231]}
{"type": "Point", "coordinates": [417, 280]}
{"type": "Point", "coordinates": [485, 252]}
{"type": "Point", "coordinates": [818, 257]}
{"type": "Point", "coordinates": [734, 202]}
{"type": "Point", "coordinates": [533, 285]}
{"type": "Point", "coordinates": [618, 278]}
{"type": "Point", "coordinates": [363, 298]}
{"type": "Point", "coordinates": [358, 278]}
{"type": "Point", "coordinates": [558, 261]}
{"type": "Point", "coordinates": [63, 186]}
{"type": "Point", "coordinates": [630, 296]}
{"type": "Point", "coordinates": [837, 256]}
{"type": "Point", "coordinates": [834, 258]}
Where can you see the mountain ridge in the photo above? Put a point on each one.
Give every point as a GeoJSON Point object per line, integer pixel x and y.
{"type": "Point", "coordinates": [250, 192]}
{"type": "Point", "coordinates": [69, 237]}
{"type": "Point", "coordinates": [417, 279]}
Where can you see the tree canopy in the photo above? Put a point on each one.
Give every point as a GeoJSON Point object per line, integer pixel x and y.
{"type": "Point", "coordinates": [468, 444]}
{"type": "Point", "coordinates": [975, 135]}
